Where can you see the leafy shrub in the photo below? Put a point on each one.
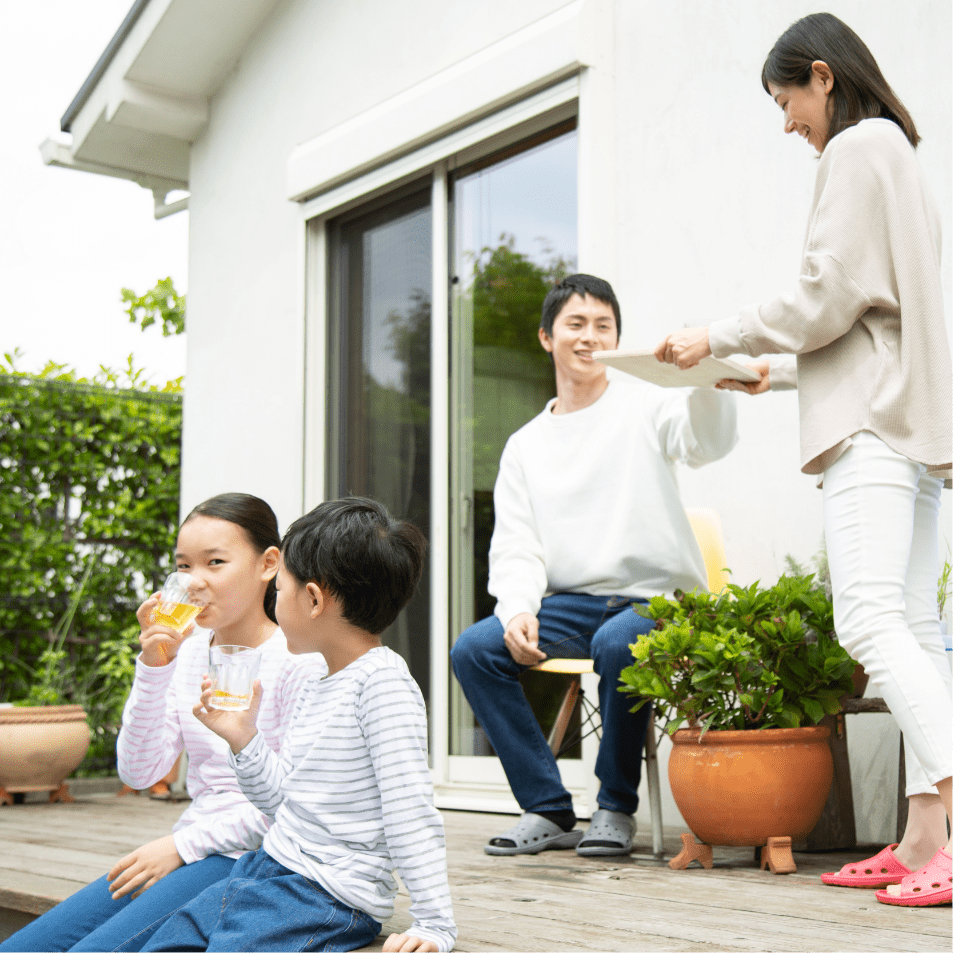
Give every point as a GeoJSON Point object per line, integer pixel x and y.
{"type": "Point", "coordinates": [748, 658]}
{"type": "Point", "coordinates": [89, 477]}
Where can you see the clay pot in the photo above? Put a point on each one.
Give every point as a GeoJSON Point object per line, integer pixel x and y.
{"type": "Point", "coordinates": [738, 788]}
{"type": "Point", "coordinates": [40, 747]}
{"type": "Point", "coordinates": [860, 679]}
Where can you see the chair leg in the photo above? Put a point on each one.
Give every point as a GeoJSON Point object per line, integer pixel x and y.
{"type": "Point", "coordinates": [652, 777]}
{"type": "Point", "coordinates": [561, 725]}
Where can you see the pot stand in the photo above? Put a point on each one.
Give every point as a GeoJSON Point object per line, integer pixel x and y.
{"type": "Point", "coordinates": [775, 855]}
{"type": "Point", "coordinates": [61, 795]}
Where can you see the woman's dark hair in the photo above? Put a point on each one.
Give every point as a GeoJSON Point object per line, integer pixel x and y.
{"type": "Point", "coordinates": [860, 90]}
{"type": "Point", "coordinates": [370, 562]}
{"type": "Point", "coordinates": [256, 518]}
{"type": "Point", "coordinates": [581, 285]}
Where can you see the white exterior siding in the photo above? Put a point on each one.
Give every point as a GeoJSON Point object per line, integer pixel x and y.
{"type": "Point", "coordinates": [692, 203]}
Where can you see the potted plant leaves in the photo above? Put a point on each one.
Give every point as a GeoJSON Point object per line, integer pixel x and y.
{"type": "Point", "coordinates": [741, 680]}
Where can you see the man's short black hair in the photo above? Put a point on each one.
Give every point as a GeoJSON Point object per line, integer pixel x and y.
{"type": "Point", "coordinates": [368, 561]}
{"type": "Point", "coordinates": [581, 285]}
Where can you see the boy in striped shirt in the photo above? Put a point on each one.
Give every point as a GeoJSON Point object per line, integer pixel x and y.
{"type": "Point", "coordinates": [350, 794]}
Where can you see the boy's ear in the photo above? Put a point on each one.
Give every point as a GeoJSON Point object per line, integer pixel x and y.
{"type": "Point", "coordinates": [270, 561]}
{"type": "Point", "coordinates": [317, 598]}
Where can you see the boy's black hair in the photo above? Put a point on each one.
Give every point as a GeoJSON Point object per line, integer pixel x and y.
{"type": "Point", "coordinates": [370, 562]}
{"type": "Point", "coordinates": [581, 285]}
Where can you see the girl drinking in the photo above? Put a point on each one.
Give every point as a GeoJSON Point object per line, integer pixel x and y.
{"type": "Point", "coordinates": [230, 546]}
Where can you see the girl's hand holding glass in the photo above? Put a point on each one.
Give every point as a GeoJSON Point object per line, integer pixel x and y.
{"type": "Point", "coordinates": [166, 618]}
{"type": "Point", "coordinates": [158, 642]}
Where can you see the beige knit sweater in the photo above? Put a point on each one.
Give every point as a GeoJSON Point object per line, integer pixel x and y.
{"type": "Point", "coordinates": [866, 316]}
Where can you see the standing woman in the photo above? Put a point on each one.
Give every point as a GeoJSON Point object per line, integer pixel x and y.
{"type": "Point", "coordinates": [873, 373]}
{"type": "Point", "coordinates": [230, 546]}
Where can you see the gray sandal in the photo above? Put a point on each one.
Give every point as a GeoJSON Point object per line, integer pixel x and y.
{"type": "Point", "coordinates": [609, 833]}
{"type": "Point", "coordinates": [532, 834]}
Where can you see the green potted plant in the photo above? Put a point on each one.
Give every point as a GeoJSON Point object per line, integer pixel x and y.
{"type": "Point", "coordinates": [741, 680]}
{"type": "Point", "coordinates": [43, 737]}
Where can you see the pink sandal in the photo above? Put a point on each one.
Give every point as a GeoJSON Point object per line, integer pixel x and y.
{"type": "Point", "coordinates": [878, 871]}
{"type": "Point", "coordinates": [928, 887]}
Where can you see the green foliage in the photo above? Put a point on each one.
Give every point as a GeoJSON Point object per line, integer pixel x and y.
{"type": "Point", "coordinates": [748, 658]}
{"type": "Point", "coordinates": [943, 585]}
{"type": "Point", "coordinates": [508, 291]}
{"type": "Point", "coordinates": [162, 305]}
{"type": "Point", "coordinates": [89, 482]}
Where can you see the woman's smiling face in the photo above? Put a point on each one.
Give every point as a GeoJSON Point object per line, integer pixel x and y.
{"type": "Point", "coordinates": [807, 108]}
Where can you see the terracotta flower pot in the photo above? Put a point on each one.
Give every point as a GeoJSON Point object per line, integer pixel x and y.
{"type": "Point", "coordinates": [860, 679]}
{"type": "Point", "coordinates": [40, 747]}
{"type": "Point", "coordinates": [738, 788]}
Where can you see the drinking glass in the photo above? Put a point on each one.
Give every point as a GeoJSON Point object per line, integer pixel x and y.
{"type": "Point", "coordinates": [232, 669]}
{"type": "Point", "coordinates": [179, 603]}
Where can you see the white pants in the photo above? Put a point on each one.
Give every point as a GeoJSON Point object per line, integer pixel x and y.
{"type": "Point", "coordinates": [880, 523]}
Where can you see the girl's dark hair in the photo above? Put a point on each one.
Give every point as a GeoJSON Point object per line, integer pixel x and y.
{"type": "Point", "coordinates": [256, 518]}
{"type": "Point", "coordinates": [369, 561]}
{"type": "Point", "coordinates": [860, 90]}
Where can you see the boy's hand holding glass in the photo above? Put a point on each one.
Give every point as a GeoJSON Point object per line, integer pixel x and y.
{"type": "Point", "coordinates": [166, 618]}
{"type": "Point", "coordinates": [237, 727]}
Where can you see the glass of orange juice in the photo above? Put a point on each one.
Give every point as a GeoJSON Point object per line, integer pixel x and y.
{"type": "Point", "coordinates": [232, 670]}
{"type": "Point", "coordinates": [179, 603]}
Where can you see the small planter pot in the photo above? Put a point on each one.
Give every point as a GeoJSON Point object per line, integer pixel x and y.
{"type": "Point", "coordinates": [860, 679]}
{"type": "Point", "coordinates": [40, 747]}
{"type": "Point", "coordinates": [751, 788]}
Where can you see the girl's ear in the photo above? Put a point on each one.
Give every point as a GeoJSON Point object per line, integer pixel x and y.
{"type": "Point", "coordinates": [270, 560]}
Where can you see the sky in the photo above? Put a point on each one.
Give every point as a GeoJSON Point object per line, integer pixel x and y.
{"type": "Point", "coordinates": [70, 241]}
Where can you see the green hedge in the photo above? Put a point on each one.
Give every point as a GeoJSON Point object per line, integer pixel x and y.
{"type": "Point", "coordinates": [89, 478]}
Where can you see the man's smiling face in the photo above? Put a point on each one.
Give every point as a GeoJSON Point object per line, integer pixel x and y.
{"type": "Point", "coordinates": [585, 324]}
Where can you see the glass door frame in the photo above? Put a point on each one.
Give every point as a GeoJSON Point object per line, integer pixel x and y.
{"type": "Point", "coordinates": [467, 783]}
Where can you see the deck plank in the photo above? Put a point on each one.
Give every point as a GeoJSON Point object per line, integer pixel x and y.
{"type": "Point", "coordinates": [552, 901]}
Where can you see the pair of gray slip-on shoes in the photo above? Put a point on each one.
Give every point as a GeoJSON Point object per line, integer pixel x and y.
{"type": "Point", "coordinates": [609, 833]}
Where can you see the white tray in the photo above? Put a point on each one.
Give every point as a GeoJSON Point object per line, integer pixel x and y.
{"type": "Point", "coordinates": [707, 373]}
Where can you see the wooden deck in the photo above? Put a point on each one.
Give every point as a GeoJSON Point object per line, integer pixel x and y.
{"type": "Point", "coordinates": [553, 901]}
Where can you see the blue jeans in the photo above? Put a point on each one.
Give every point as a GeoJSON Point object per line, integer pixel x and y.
{"type": "Point", "coordinates": [571, 625]}
{"type": "Point", "coordinates": [265, 906]}
{"type": "Point", "coordinates": [91, 920]}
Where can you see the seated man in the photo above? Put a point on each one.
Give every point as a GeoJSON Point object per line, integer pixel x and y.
{"type": "Point", "coordinates": [588, 523]}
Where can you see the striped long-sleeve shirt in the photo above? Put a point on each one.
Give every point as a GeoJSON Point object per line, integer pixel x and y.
{"type": "Point", "coordinates": [157, 723]}
{"type": "Point", "coordinates": [351, 794]}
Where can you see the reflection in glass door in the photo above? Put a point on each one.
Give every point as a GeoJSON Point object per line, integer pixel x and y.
{"type": "Point", "coordinates": [379, 375]}
{"type": "Point", "coordinates": [513, 233]}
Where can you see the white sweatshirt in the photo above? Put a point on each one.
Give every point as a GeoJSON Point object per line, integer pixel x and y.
{"type": "Point", "coordinates": [588, 501]}
{"type": "Point", "coordinates": [157, 723]}
{"type": "Point", "coordinates": [351, 794]}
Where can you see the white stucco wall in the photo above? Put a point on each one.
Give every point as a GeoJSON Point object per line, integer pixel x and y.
{"type": "Point", "coordinates": [700, 204]}
{"type": "Point", "coordinates": [713, 214]}
{"type": "Point", "coordinates": [314, 64]}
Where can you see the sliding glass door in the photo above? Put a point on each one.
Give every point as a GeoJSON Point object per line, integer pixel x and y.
{"type": "Point", "coordinates": [513, 233]}
{"type": "Point", "coordinates": [507, 229]}
{"type": "Point", "coordinates": [379, 398]}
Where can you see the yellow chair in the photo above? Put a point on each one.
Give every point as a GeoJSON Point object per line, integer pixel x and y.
{"type": "Point", "coordinates": [706, 525]}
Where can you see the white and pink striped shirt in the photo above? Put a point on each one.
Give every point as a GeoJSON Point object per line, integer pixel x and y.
{"type": "Point", "coordinates": [157, 723]}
